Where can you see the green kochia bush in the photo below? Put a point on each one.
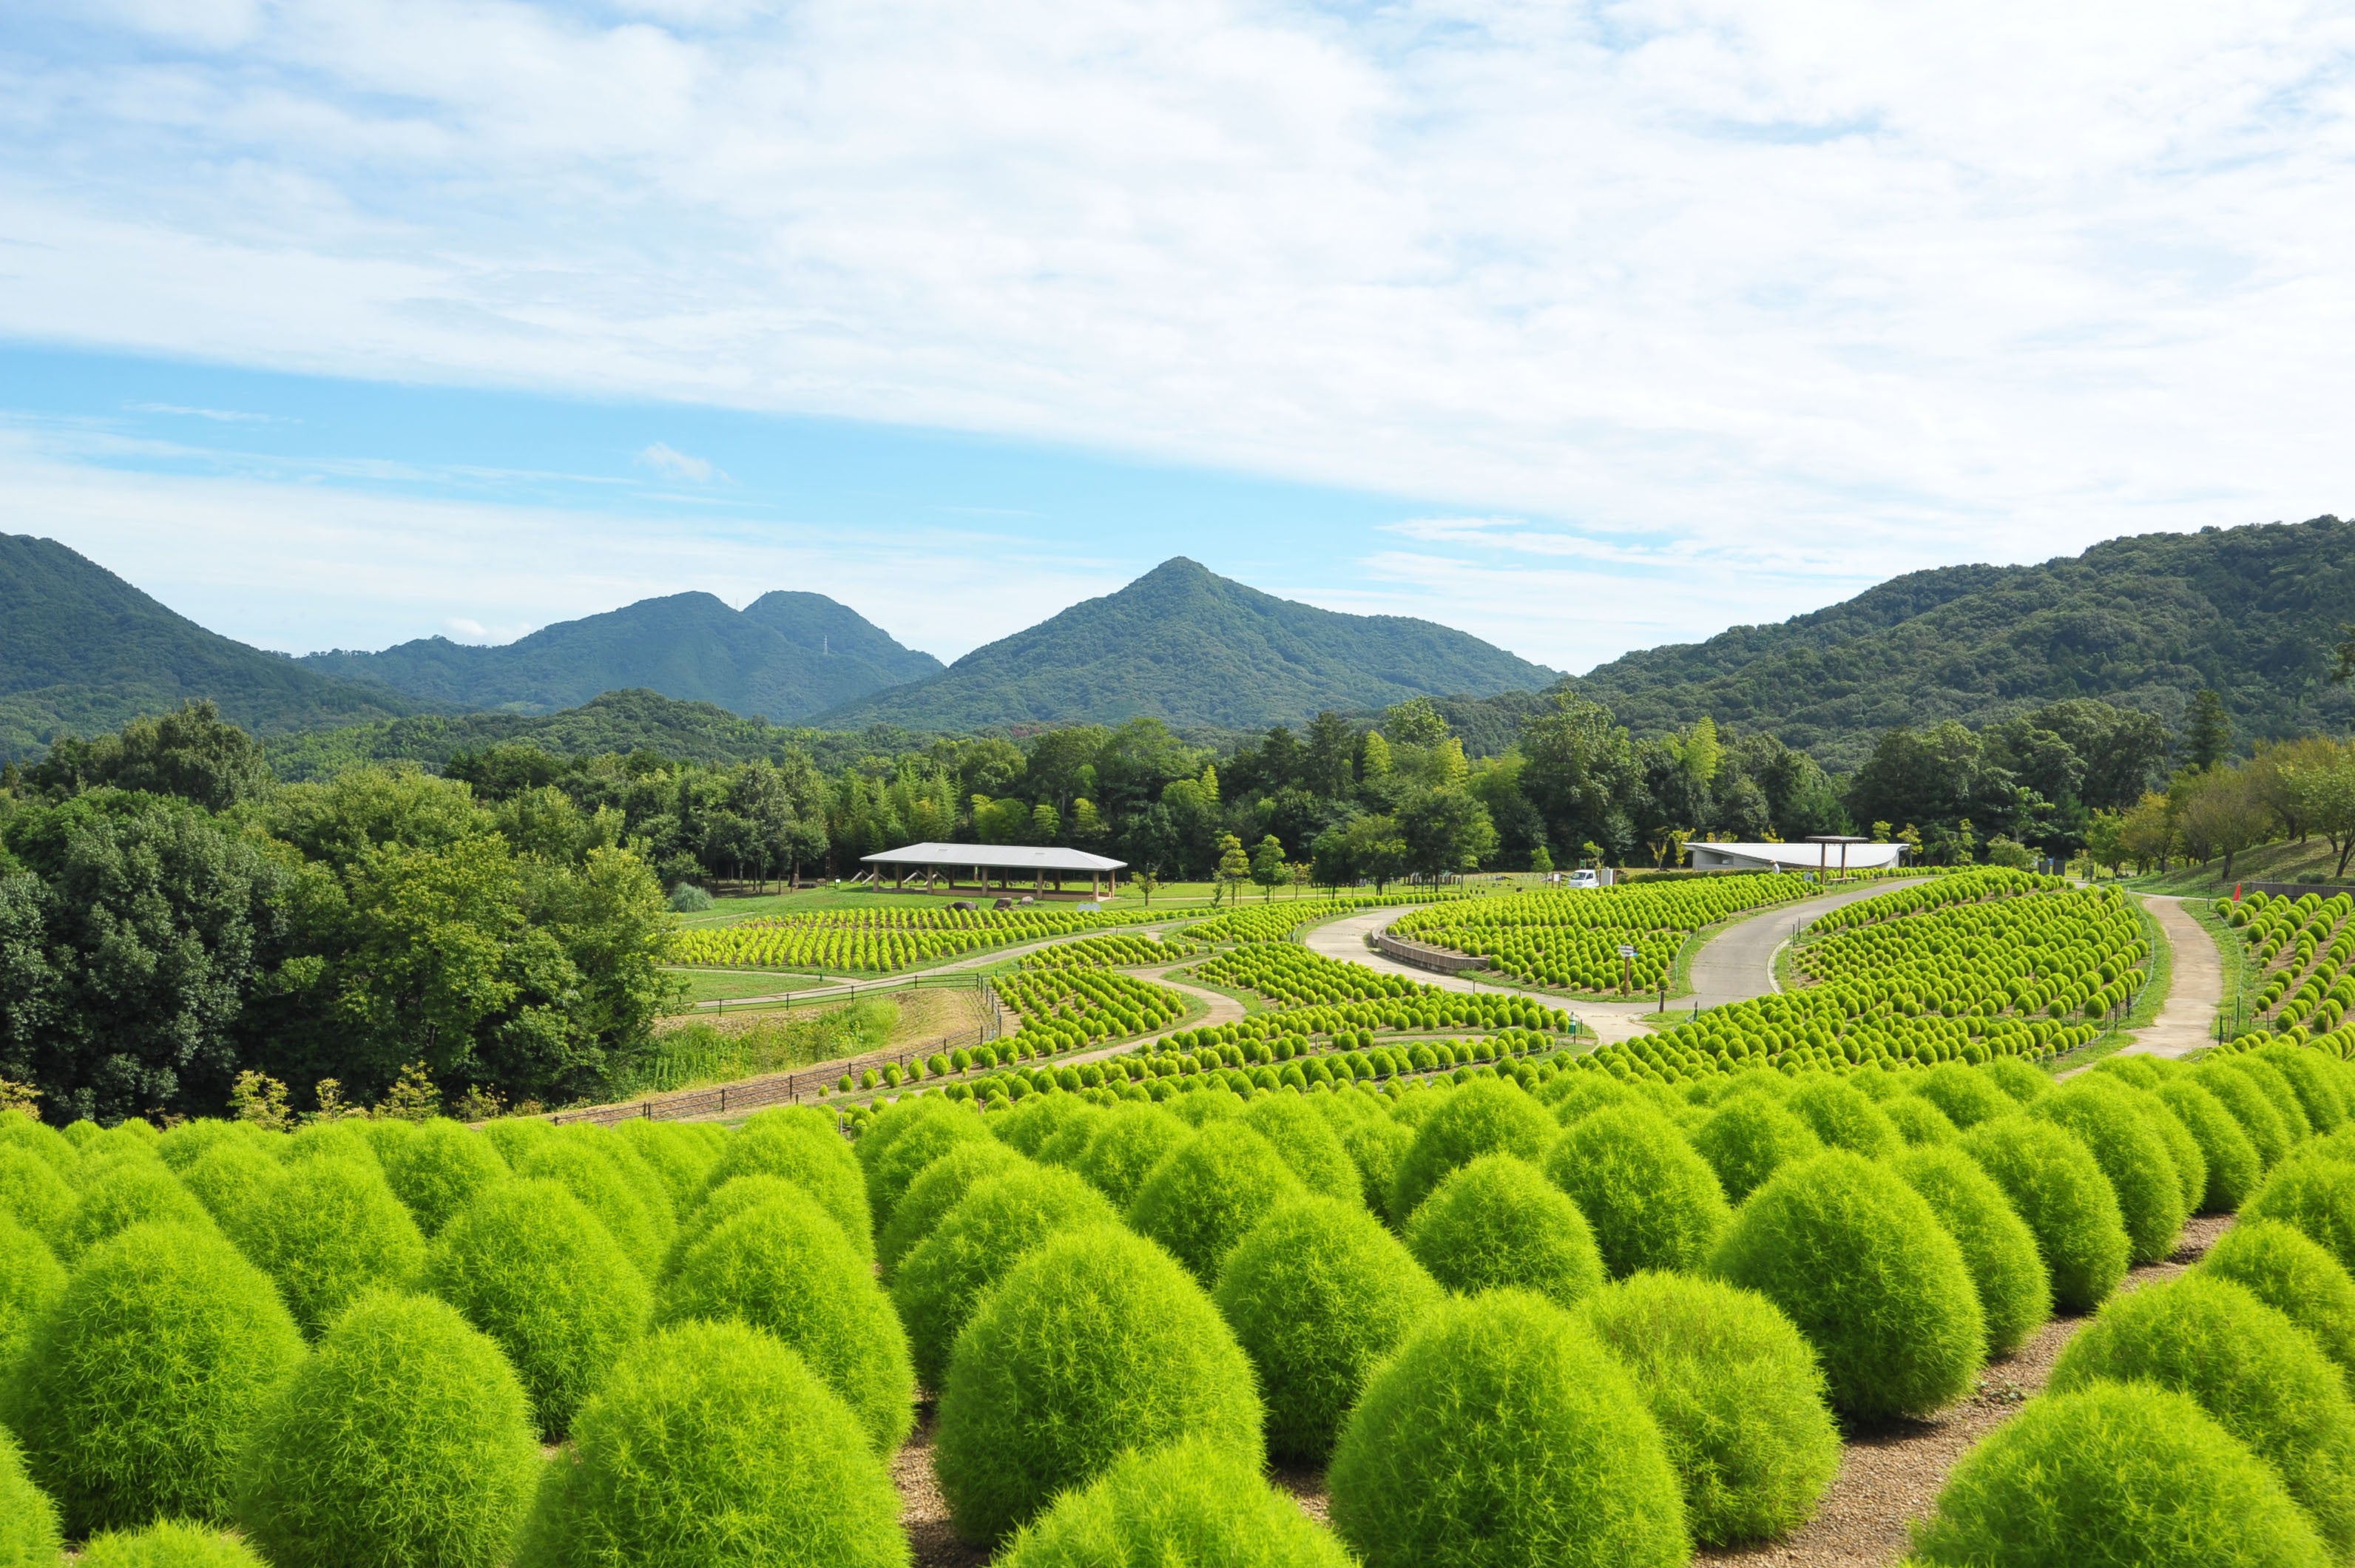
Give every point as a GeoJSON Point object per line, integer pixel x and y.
{"type": "Point", "coordinates": [329, 1232]}
{"type": "Point", "coordinates": [30, 1278]}
{"type": "Point", "coordinates": [2131, 1154]}
{"type": "Point", "coordinates": [2239, 1094]}
{"type": "Point", "coordinates": [1125, 1147]}
{"type": "Point", "coordinates": [124, 1193]}
{"type": "Point", "coordinates": [941, 1187]}
{"type": "Point", "coordinates": [2182, 1149]}
{"type": "Point", "coordinates": [181, 1147]}
{"type": "Point", "coordinates": [1967, 1097]}
{"type": "Point", "coordinates": [1843, 1116]}
{"type": "Point", "coordinates": [2015, 1293]}
{"type": "Point", "coordinates": [2231, 1160]}
{"type": "Point", "coordinates": [636, 1219]}
{"type": "Point", "coordinates": [2054, 1184]}
{"type": "Point", "coordinates": [529, 1266]}
{"type": "Point", "coordinates": [2294, 1276]}
{"type": "Point", "coordinates": [28, 1520]}
{"type": "Point", "coordinates": [1306, 1142]}
{"type": "Point", "coordinates": [1192, 1502]}
{"type": "Point", "coordinates": [806, 1151]}
{"type": "Point", "coordinates": [2250, 1368]}
{"type": "Point", "coordinates": [893, 1166]}
{"type": "Point", "coordinates": [31, 1187]}
{"type": "Point", "coordinates": [681, 1154]}
{"type": "Point", "coordinates": [440, 1170]}
{"type": "Point", "coordinates": [2311, 1081]}
{"type": "Point", "coordinates": [2120, 1473]}
{"type": "Point", "coordinates": [1738, 1396]}
{"type": "Point", "coordinates": [42, 1142]}
{"type": "Point", "coordinates": [1489, 1115]}
{"type": "Point", "coordinates": [713, 1447]}
{"type": "Point", "coordinates": [1097, 1343]}
{"type": "Point", "coordinates": [1503, 1433]}
{"type": "Point", "coordinates": [2276, 1086]}
{"type": "Point", "coordinates": [1653, 1203]}
{"type": "Point", "coordinates": [2314, 1195]}
{"type": "Point", "coordinates": [143, 1377]}
{"type": "Point", "coordinates": [976, 1245]}
{"type": "Point", "coordinates": [1317, 1293]}
{"type": "Point", "coordinates": [1858, 1261]}
{"type": "Point", "coordinates": [1200, 1200]}
{"type": "Point", "coordinates": [1748, 1138]}
{"type": "Point", "coordinates": [722, 1204]}
{"type": "Point", "coordinates": [404, 1439]}
{"type": "Point", "coordinates": [1499, 1222]}
{"type": "Point", "coordinates": [516, 1136]}
{"type": "Point", "coordinates": [169, 1544]}
{"type": "Point", "coordinates": [1917, 1121]}
{"type": "Point", "coordinates": [231, 1179]}
{"type": "Point", "coordinates": [2016, 1078]}
{"type": "Point", "coordinates": [787, 1268]}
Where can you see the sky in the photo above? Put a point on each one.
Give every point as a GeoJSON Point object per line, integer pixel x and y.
{"type": "Point", "coordinates": [1583, 327]}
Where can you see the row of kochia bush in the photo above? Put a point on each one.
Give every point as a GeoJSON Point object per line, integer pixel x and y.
{"type": "Point", "coordinates": [1597, 1323]}
{"type": "Point", "coordinates": [1571, 940]}
{"type": "Point", "coordinates": [879, 940]}
{"type": "Point", "coordinates": [1062, 1010]}
{"type": "Point", "coordinates": [2305, 951]}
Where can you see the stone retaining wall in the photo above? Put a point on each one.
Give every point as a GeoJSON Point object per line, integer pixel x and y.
{"type": "Point", "coordinates": [1441, 960]}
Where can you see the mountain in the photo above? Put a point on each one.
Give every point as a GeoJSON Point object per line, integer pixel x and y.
{"type": "Point", "coordinates": [784, 656]}
{"type": "Point", "coordinates": [81, 651]}
{"type": "Point", "coordinates": [2143, 622]}
{"type": "Point", "coordinates": [1183, 645]}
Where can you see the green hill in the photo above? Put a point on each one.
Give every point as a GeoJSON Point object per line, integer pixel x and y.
{"type": "Point", "coordinates": [1183, 645]}
{"type": "Point", "coordinates": [82, 651]}
{"type": "Point", "coordinates": [2141, 621]}
{"type": "Point", "coordinates": [784, 656]}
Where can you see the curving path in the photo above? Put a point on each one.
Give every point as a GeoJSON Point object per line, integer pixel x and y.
{"type": "Point", "coordinates": [2187, 1020]}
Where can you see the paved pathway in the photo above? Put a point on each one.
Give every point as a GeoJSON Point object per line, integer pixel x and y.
{"type": "Point", "coordinates": [1738, 963]}
{"type": "Point", "coordinates": [2187, 1020]}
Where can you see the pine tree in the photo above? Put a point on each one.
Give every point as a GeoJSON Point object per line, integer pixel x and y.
{"type": "Point", "coordinates": [2208, 735]}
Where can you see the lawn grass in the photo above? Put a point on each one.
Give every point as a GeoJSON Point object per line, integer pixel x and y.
{"type": "Point", "coordinates": [2282, 862]}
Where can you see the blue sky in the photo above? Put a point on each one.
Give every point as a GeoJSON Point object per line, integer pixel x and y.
{"type": "Point", "coordinates": [1581, 326]}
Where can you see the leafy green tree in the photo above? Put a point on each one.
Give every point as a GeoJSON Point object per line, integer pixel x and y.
{"type": "Point", "coordinates": [2218, 813]}
{"type": "Point", "coordinates": [1414, 722]}
{"type": "Point", "coordinates": [1268, 867]}
{"type": "Point", "coordinates": [1540, 862]}
{"type": "Point", "coordinates": [2342, 657]}
{"type": "Point", "coordinates": [1234, 867]}
{"type": "Point", "coordinates": [2324, 790]}
{"type": "Point", "coordinates": [191, 752]}
{"type": "Point", "coordinates": [1368, 847]}
{"type": "Point", "coordinates": [1046, 824]}
{"type": "Point", "coordinates": [2207, 730]}
{"type": "Point", "coordinates": [1328, 769]}
{"type": "Point", "coordinates": [1445, 831]}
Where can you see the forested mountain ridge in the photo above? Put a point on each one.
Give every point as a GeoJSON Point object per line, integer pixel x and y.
{"type": "Point", "coordinates": [1189, 647]}
{"type": "Point", "coordinates": [82, 651]}
{"type": "Point", "coordinates": [784, 656]}
{"type": "Point", "coordinates": [2142, 622]}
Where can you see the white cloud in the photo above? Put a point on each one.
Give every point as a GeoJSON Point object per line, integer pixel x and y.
{"type": "Point", "coordinates": [1836, 289]}
{"type": "Point", "coordinates": [218, 416]}
{"type": "Point", "coordinates": [676, 465]}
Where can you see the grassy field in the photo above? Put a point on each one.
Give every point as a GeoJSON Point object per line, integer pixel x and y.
{"type": "Point", "coordinates": [2283, 862]}
{"type": "Point", "coordinates": [716, 985]}
{"type": "Point", "coordinates": [1178, 897]}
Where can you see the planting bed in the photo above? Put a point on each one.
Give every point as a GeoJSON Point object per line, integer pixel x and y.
{"type": "Point", "coordinates": [881, 941]}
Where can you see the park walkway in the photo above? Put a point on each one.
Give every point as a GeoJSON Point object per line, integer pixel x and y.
{"type": "Point", "coordinates": [2187, 1020]}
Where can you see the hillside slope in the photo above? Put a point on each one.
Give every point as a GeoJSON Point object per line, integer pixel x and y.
{"type": "Point", "coordinates": [2143, 622]}
{"type": "Point", "coordinates": [1186, 645]}
{"type": "Point", "coordinates": [786, 656]}
{"type": "Point", "coordinates": [82, 651]}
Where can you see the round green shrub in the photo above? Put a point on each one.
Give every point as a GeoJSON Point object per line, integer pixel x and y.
{"type": "Point", "coordinates": [1574, 1096]}
{"type": "Point", "coordinates": [2014, 1290]}
{"type": "Point", "coordinates": [1738, 1395]}
{"type": "Point", "coordinates": [1918, 1122]}
{"type": "Point", "coordinates": [2314, 1195]}
{"type": "Point", "coordinates": [1747, 1137]}
{"type": "Point", "coordinates": [2142, 1072]}
{"type": "Point", "coordinates": [1376, 1146]}
{"type": "Point", "coordinates": [80, 1134]}
{"type": "Point", "coordinates": [1653, 1203]}
{"type": "Point", "coordinates": [977, 1244]}
{"type": "Point", "coordinates": [30, 1278]}
{"type": "Point", "coordinates": [2120, 1473]}
{"type": "Point", "coordinates": [891, 1173]}
{"type": "Point", "coordinates": [1199, 1109]}
{"type": "Point", "coordinates": [2055, 1185]}
{"type": "Point", "coordinates": [599, 1182]}
{"type": "Point", "coordinates": [1843, 1116]}
{"type": "Point", "coordinates": [2182, 1149]}
{"type": "Point", "coordinates": [786, 1268]}
{"type": "Point", "coordinates": [1095, 1344]}
{"type": "Point", "coordinates": [386, 1134]}
{"type": "Point", "coordinates": [440, 1169]}
{"type": "Point", "coordinates": [889, 1121]}
{"type": "Point", "coordinates": [2315, 1088]}
{"type": "Point", "coordinates": [515, 1136]}
{"type": "Point", "coordinates": [1858, 1260]}
{"type": "Point", "coordinates": [1965, 1096]}
{"type": "Point", "coordinates": [44, 1142]}
{"type": "Point", "coordinates": [808, 1152]}
{"type": "Point", "coordinates": [1488, 1115]}
{"type": "Point", "coordinates": [2239, 1094]}
{"type": "Point", "coordinates": [31, 1190]}
{"type": "Point", "coordinates": [1317, 1293]}
{"type": "Point", "coordinates": [1503, 1433]}
{"type": "Point", "coordinates": [1306, 1142]}
{"type": "Point", "coordinates": [2266, 1382]}
{"type": "Point", "coordinates": [2024, 1083]}
{"type": "Point", "coordinates": [28, 1520]}
{"type": "Point", "coordinates": [1192, 1502]}
{"type": "Point", "coordinates": [146, 1374]}
{"type": "Point", "coordinates": [2131, 1154]}
{"type": "Point", "coordinates": [1029, 1125]}
{"type": "Point", "coordinates": [739, 1195]}
{"type": "Point", "coordinates": [679, 1153]}
{"type": "Point", "coordinates": [1201, 1199]}
{"type": "Point", "coordinates": [2294, 1276]}
{"type": "Point", "coordinates": [1128, 1143]}
{"type": "Point", "coordinates": [344, 1139]}
{"type": "Point", "coordinates": [404, 1439]}
{"type": "Point", "coordinates": [940, 1187]}
{"type": "Point", "coordinates": [329, 1233]}
{"type": "Point", "coordinates": [1070, 1136]}
{"type": "Point", "coordinates": [182, 1145]}
{"type": "Point", "coordinates": [527, 1264]}
{"type": "Point", "coordinates": [2278, 1092]}
{"type": "Point", "coordinates": [169, 1543]}
{"type": "Point", "coordinates": [712, 1446]}
{"type": "Point", "coordinates": [1498, 1221]}
{"type": "Point", "coordinates": [115, 1144]}
{"type": "Point", "coordinates": [127, 1192]}
{"type": "Point", "coordinates": [231, 1179]}
{"type": "Point", "coordinates": [2227, 1154]}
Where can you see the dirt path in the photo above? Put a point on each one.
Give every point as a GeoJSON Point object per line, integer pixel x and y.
{"type": "Point", "coordinates": [2188, 1019]}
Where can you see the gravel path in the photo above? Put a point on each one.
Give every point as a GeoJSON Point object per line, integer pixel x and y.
{"type": "Point", "coordinates": [2188, 1019]}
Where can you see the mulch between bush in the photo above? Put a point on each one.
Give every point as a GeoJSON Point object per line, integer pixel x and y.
{"type": "Point", "coordinates": [1889, 1474]}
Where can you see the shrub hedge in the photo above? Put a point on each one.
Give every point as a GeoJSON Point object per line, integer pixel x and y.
{"type": "Point", "coordinates": [2249, 1106]}
{"type": "Point", "coordinates": [232, 1179]}
{"type": "Point", "coordinates": [125, 1192]}
{"type": "Point", "coordinates": [2230, 1157]}
{"type": "Point", "coordinates": [440, 1170]}
{"type": "Point", "coordinates": [169, 1543]}
{"type": "Point", "coordinates": [895, 1168]}
{"type": "Point", "coordinates": [1653, 1203]}
{"type": "Point", "coordinates": [1964, 1095]}
{"type": "Point", "coordinates": [1306, 1142]}
{"type": "Point", "coordinates": [2055, 1185]}
{"type": "Point", "coordinates": [591, 1173]}
{"type": "Point", "coordinates": [1126, 1145]}
{"type": "Point", "coordinates": [2314, 1195]}
{"type": "Point", "coordinates": [808, 1152]}
{"type": "Point", "coordinates": [1498, 1221]}
{"type": "Point", "coordinates": [1192, 1502]}
{"type": "Point", "coordinates": [2014, 1290]}
{"type": "Point", "coordinates": [1843, 1116]}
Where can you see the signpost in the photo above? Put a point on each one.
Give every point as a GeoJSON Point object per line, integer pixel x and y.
{"type": "Point", "coordinates": [1626, 970]}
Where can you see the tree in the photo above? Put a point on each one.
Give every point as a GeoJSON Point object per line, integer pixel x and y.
{"type": "Point", "coordinates": [2002, 851]}
{"type": "Point", "coordinates": [2105, 840]}
{"type": "Point", "coordinates": [1147, 885]}
{"type": "Point", "coordinates": [2207, 731]}
{"type": "Point", "coordinates": [2324, 790]}
{"type": "Point", "coordinates": [2220, 814]}
{"type": "Point", "coordinates": [1328, 768]}
{"type": "Point", "coordinates": [1301, 873]}
{"type": "Point", "coordinates": [1234, 867]}
{"type": "Point", "coordinates": [1414, 722]}
{"type": "Point", "coordinates": [2342, 657]}
{"type": "Point", "coordinates": [191, 752]}
{"type": "Point", "coordinates": [1268, 867]}
{"type": "Point", "coordinates": [1445, 830]}
{"type": "Point", "coordinates": [2146, 832]}
{"type": "Point", "coordinates": [1540, 862]}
